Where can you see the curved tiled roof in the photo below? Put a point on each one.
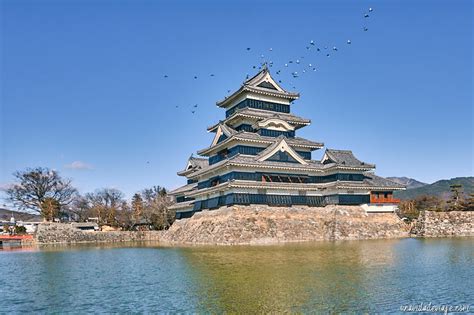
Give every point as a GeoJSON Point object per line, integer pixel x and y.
{"type": "Point", "coordinates": [252, 161]}
{"type": "Point", "coordinates": [343, 157]}
{"type": "Point", "coordinates": [261, 114]}
{"type": "Point", "coordinates": [245, 136]}
{"type": "Point", "coordinates": [183, 189]}
{"type": "Point", "coordinates": [372, 182]}
{"type": "Point", "coordinates": [254, 85]}
{"type": "Point", "coordinates": [194, 164]}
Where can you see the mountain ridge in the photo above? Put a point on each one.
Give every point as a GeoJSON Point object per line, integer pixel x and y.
{"type": "Point", "coordinates": [440, 188]}
{"type": "Point", "coordinates": [407, 181]}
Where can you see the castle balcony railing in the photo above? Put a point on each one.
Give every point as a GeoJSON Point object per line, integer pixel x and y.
{"type": "Point", "coordinates": [374, 199]}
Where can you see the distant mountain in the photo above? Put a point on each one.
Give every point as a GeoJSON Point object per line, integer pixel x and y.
{"type": "Point", "coordinates": [440, 188]}
{"type": "Point", "coordinates": [6, 214]}
{"type": "Point", "coordinates": [408, 182]}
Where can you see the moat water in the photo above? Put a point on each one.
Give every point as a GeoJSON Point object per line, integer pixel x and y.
{"type": "Point", "coordinates": [352, 276]}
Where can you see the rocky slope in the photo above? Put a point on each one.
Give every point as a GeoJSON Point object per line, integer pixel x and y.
{"type": "Point", "coordinates": [266, 225]}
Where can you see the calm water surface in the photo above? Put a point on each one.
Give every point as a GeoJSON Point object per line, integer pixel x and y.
{"type": "Point", "coordinates": [355, 276]}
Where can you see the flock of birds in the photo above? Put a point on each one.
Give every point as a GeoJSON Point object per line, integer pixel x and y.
{"type": "Point", "coordinates": [298, 65]}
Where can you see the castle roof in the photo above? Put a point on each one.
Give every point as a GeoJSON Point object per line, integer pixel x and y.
{"type": "Point", "coordinates": [194, 164]}
{"type": "Point", "coordinates": [371, 182]}
{"type": "Point", "coordinates": [374, 182]}
{"type": "Point", "coordinates": [261, 114]}
{"type": "Point", "coordinates": [244, 136]}
{"type": "Point", "coordinates": [343, 157]}
{"type": "Point", "coordinates": [261, 83]}
{"type": "Point", "coordinates": [250, 161]}
{"type": "Point", "coordinates": [183, 189]}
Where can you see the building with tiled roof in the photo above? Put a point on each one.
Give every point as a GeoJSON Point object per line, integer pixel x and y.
{"type": "Point", "coordinates": [256, 158]}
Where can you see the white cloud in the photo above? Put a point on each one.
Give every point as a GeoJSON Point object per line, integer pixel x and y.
{"type": "Point", "coordinates": [79, 165]}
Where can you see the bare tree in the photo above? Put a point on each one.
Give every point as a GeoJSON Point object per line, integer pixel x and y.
{"type": "Point", "coordinates": [81, 208]}
{"type": "Point", "coordinates": [105, 203]}
{"type": "Point", "coordinates": [137, 207]}
{"type": "Point", "coordinates": [41, 190]}
{"type": "Point", "coordinates": [155, 209]}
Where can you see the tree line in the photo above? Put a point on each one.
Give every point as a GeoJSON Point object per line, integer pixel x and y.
{"type": "Point", "coordinates": [458, 201]}
{"type": "Point", "coordinates": [43, 191]}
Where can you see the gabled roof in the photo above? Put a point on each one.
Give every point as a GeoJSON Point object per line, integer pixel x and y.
{"type": "Point", "coordinates": [222, 129]}
{"type": "Point", "coordinates": [194, 164]}
{"type": "Point", "coordinates": [282, 146]}
{"type": "Point", "coordinates": [251, 137]}
{"type": "Point", "coordinates": [260, 114]}
{"type": "Point", "coordinates": [343, 157]}
{"type": "Point", "coordinates": [261, 83]}
{"type": "Point", "coordinates": [264, 79]}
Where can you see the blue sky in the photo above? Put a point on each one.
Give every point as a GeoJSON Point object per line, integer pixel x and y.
{"type": "Point", "coordinates": [83, 81]}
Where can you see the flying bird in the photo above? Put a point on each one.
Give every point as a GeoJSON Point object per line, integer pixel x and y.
{"type": "Point", "coordinates": [370, 9]}
{"type": "Point", "coordinates": [366, 15]}
{"type": "Point", "coordinates": [248, 48]}
{"type": "Point", "coordinates": [349, 42]}
{"type": "Point", "coordinates": [365, 29]}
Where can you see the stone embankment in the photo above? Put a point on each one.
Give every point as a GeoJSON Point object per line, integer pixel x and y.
{"type": "Point", "coordinates": [443, 224]}
{"type": "Point", "coordinates": [51, 233]}
{"type": "Point", "coordinates": [238, 225]}
{"type": "Point", "coordinates": [267, 225]}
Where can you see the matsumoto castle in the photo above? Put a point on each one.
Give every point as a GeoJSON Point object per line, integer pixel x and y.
{"type": "Point", "coordinates": [256, 158]}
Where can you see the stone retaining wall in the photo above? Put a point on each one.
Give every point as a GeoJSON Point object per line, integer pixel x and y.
{"type": "Point", "coordinates": [442, 224]}
{"type": "Point", "coordinates": [50, 233]}
{"type": "Point", "coordinates": [264, 225]}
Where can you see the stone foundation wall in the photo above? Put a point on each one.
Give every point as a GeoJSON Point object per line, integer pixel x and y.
{"type": "Point", "coordinates": [264, 225]}
{"type": "Point", "coordinates": [50, 233]}
{"type": "Point", "coordinates": [442, 224]}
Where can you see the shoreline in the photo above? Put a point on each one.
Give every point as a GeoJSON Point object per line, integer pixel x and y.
{"type": "Point", "coordinates": [159, 243]}
{"type": "Point", "coordinates": [250, 225]}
